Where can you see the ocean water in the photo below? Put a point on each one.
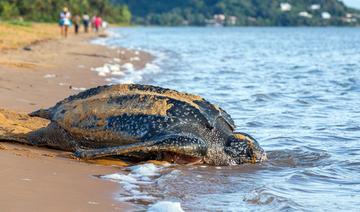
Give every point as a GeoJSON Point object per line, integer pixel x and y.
{"type": "Point", "coordinates": [296, 90]}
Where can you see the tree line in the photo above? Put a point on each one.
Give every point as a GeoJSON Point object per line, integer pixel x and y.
{"type": "Point", "coordinates": [49, 10]}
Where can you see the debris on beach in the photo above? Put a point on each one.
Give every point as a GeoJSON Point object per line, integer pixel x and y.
{"type": "Point", "coordinates": [93, 203]}
{"type": "Point", "coordinates": [63, 83]}
{"type": "Point", "coordinates": [50, 76]}
{"type": "Point", "coordinates": [27, 48]}
{"type": "Point", "coordinates": [77, 89]}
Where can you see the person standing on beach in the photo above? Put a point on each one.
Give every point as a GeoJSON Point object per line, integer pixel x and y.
{"type": "Point", "coordinates": [77, 21]}
{"type": "Point", "coordinates": [86, 20]}
{"type": "Point", "coordinates": [65, 21]}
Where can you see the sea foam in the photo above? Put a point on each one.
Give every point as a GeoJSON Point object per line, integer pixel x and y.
{"type": "Point", "coordinates": [165, 206]}
{"type": "Point", "coordinates": [138, 176]}
{"type": "Point", "coordinates": [138, 180]}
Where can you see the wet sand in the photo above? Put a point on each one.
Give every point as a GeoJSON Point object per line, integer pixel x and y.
{"type": "Point", "coordinates": [39, 179]}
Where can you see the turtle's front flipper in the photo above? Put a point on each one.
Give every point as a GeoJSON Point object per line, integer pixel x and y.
{"type": "Point", "coordinates": [53, 136]}
{"type": "Point", "coordinates": [178, 144]}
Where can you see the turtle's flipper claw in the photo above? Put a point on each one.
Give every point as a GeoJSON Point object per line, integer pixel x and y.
{"type": "Point", "coordinates": [80, 154]}
{"type": "Point", "coordinates": [87, 153]}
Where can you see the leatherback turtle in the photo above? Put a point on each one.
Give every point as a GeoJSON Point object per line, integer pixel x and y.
{"type": "Point", "coordinates": [144, 122]}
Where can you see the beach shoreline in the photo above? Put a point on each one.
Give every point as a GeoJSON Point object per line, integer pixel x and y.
{"type": "Point", "coordinates": [38, 76]}
{"type": "Point", "coordinates": [51, 70]}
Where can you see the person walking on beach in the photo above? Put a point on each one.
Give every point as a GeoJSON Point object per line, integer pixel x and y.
{"type": "Point", "coordinates": [65, 21]}
{"type": "Point", "coordinates": [97, 23]}
{"type": "Point", "coordinates": [86, 20]}
{"type": "Point", "coordinates": [77, 21]}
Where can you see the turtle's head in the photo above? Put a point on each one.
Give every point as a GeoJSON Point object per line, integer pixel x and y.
{"type": "Point", "coordinates": [243, 148]}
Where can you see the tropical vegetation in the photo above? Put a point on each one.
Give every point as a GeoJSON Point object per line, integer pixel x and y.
{"type": "Point", "coordinates": [49, 10]}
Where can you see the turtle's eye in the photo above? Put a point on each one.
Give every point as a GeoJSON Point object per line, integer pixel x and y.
{"type": "Point", "coordinates": [249, 152]}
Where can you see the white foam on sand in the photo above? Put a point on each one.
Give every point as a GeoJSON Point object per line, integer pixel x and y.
{"type": "Point", "coordinates": [134, 59]}
{"type": "Point", "coordinates": [139, 175]}
{"type": "Point", "coordinates": [108, 69]}
{"type": "Point", "coordinates": [128, 66]}
{"type": "Point", "coordinates": [118, 60]}
{"type": "Point", "coordinates": [165, 206]}
{"type": "Point", "coordinates": [126, 73]}
{"type": "Point", "coordinates": [138, 180]}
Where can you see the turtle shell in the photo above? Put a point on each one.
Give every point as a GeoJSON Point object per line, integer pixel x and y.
{"type": "Point", "coordinates": [130, 113]}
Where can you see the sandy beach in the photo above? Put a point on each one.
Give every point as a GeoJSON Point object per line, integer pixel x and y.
{"type": "Point", "coordinates": [54, 69]}
{"type": "Point", "coordinates": [38, 76]}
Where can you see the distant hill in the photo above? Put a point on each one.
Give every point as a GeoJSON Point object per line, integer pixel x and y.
{"type": "Point", "coordinates": [242, 12]}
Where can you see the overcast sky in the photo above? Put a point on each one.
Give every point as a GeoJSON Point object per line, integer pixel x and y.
{"type": "Point", "coordinates": [352, 3]}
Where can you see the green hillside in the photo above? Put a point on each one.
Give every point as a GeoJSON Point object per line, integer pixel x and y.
{"type": "Point", "coordinates": [241, 12]}
{"type": "Point", "coordinates": [191, 12]}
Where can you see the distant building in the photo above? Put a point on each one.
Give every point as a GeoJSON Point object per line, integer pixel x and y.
{"type": "Point", "coordinates": [219, 17]}
{"type": "Point", "coordinates": [326, 15]}
{"type": "Point", "coordinates": [218, 20]}
{"type": "Point", "coordinates": [285, 7]}
{"type": "Point", "coordinates": [305, 14]}
{"type": "Point", "coordinates": [315, 7]}
{"type": "Point", "coordinates": [231, 20]}
{"type": "Point", "coordinates": [349, 18]}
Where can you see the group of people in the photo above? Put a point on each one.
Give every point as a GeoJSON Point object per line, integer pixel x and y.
{"type": "Point", "coordinates": [66, 21]}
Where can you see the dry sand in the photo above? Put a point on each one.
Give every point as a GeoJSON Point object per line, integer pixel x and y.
{"type": "Point", "coordinates": [39, 179]}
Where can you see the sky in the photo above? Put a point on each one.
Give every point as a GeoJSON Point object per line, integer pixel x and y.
{"type": "Point", "coordinates": [352, 3]}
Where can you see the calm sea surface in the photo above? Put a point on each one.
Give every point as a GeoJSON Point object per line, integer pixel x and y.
{"type": "Point", "coordinates": [296, 90]}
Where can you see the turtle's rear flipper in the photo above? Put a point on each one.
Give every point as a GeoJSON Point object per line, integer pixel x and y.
{"type": "Point", "coordinates": [16, 126]}
{"type": "Point", "coordinates": [178, 144]}
{"type": "Point", "coordinates": [42, 113]}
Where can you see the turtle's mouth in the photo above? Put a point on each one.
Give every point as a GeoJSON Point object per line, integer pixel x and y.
{"type": "Point", "coordinates": [172, 157]}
